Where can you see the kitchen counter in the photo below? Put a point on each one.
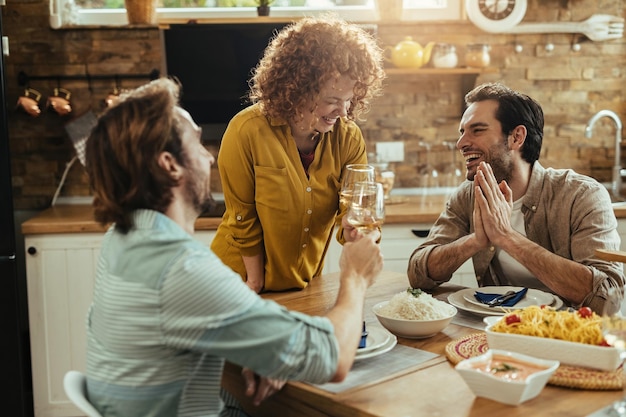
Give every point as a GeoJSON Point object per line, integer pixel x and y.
{"type": "Point", "coordinates": [78, 218]}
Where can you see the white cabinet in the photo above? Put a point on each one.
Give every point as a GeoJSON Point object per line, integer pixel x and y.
{"type": "Point", "coordinates": [397, 244]}
{"type": "Point", "coordinates": [60, 272]}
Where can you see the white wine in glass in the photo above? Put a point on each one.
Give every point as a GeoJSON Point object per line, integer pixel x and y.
{"type": "Point", "coordinates": [614, 331]}
{"type": "Point", "coordinates": [366, 211]}
{"type": "Point", "coordinates": [354, 173]}
{"type": "Point", "coordinates": [613, 323]}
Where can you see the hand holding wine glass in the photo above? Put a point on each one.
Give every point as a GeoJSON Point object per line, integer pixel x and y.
{"type": "Point", "coordinates": [366, 210]}
{"type": "Point", "coordinates": [354, 173]}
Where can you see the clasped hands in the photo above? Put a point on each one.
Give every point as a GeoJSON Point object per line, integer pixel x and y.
{"type": "Point", "coordinates": [493, 205]}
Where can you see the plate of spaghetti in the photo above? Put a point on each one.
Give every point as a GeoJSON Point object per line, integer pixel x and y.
{"type": "Point", "coordinates": [571, 337]}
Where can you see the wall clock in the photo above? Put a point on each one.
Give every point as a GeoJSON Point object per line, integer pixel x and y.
{"type": "Point", "coordinates": [495, 15]}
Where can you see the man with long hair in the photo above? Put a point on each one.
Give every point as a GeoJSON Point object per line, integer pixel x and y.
{"type": "Point", "coordinates": [166, 312]}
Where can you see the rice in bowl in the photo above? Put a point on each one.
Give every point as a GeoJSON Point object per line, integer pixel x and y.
{"type": "Point", "coordinates": [414, 316]}
{"type": "Point", "coordinates": [414, 304]}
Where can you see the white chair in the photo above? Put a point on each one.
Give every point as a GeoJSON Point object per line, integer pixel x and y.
{"type": "Point", "coordinates": [75, 387]}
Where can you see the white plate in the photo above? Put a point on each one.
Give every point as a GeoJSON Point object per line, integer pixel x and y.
{"type": "Point", "coordinates": [376, 337]}
{"type": "Point", "coordinates": [393, 340]}
{"type": "Point", "coordinates": [533, 297]}
{"type": "Point", "coordinates": [568, 353]}
{"type": "Point", "coordinates": [458, 300]}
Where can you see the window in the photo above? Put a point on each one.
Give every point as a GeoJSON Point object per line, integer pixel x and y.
{"type": "Point", "coordinates": [64, 13]}
{"type": "Point", "coordinates": [431, 9]}
{"type": "Point", "coordinates": [71, 13]}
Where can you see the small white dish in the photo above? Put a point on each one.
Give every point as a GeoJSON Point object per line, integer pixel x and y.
{"type": "Point", "coordinates": [499, 388]}
{"type": "Point", "coordinates": [532, 297]}
{"type": "Point", "coordinates": [391, 343]}
{"type": "Point", "coordinates": [376, 337]}
{"type": "Point", "coordinates": [458, 300]}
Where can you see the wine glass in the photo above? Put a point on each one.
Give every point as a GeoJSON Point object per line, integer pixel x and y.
{"type": "Point", "coordinates": [354, 173]}
{"type": "Point", "coordinates": [429, 174]}
{"type": "Point", "coordinates": [456, 175]}
{"type": "Point", "coordinates": [366, 211]}
{"type": "Point", "coordinates": [614, 331]}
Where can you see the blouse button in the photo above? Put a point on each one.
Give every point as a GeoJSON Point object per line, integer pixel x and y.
{"type": "Point", "coordinates": [308, 189]}
{"type": "Point", "coordinates": [304, 245]}
{"type": "Point", "coordinates": [239, 218]}
{"type": "Point", "coordinates": [306, 229]}
{"type": "Point", "coordinates": [492, 248]}
{"type": "Point", "coordinates": [309, 211]}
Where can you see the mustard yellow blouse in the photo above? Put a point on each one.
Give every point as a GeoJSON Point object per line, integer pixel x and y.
{"type": "Point", "coordinates": [272, 206]}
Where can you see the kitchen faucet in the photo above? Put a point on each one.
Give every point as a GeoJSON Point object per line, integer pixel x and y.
{"type": "Point", "coordinates": [616, 184]}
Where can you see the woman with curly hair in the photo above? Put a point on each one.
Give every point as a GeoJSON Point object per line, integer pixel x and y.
{"type": "Point", "coordinates": [282, 159]}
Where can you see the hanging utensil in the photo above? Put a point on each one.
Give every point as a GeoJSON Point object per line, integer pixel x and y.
{"type": "Point", "coordinates": [599, 27]}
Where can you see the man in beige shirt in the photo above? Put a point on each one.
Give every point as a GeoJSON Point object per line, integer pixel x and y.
{"type": "Point", "coordinates": [522, 224]}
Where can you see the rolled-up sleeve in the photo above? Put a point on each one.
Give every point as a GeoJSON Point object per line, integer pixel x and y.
{"type": "Point", "coordinates": [594, 226]}
{"type": "Point", "coordinates": [224, 318]}
{"type": "Point", "coordinates": [453, 223]}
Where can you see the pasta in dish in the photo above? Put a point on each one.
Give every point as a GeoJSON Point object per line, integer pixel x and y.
{"type": "Point", "coordinates": [583, 326]}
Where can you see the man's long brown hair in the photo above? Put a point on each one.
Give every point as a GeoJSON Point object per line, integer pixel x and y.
{"type": "Point", "coordinates": [123, 149]}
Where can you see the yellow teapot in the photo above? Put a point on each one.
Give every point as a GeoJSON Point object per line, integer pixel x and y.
{"type": "Point", "coordinates": [409, 54]}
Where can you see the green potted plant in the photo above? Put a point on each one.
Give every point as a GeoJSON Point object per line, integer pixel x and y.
{"type": "Point", "coordinates": [263, 7]}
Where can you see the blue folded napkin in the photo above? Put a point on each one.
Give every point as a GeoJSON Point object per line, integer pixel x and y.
{"type": "Point", "coordinates": [364, 333]}
{"type": "Point", "coordinates": [486, 297]}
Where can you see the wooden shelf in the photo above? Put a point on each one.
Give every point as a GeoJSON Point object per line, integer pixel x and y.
{"type": "Point", "coordinates": [440, 71]}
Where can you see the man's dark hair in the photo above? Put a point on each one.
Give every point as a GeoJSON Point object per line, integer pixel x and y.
{"type": "Point", "coordinates": [514, 109]}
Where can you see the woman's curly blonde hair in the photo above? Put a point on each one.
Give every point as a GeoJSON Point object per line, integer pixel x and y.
{"type": "Point", "coordinates": [305, 55]}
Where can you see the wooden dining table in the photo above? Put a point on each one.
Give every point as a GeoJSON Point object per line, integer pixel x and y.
{"type": "Point", "coordinates": [432, 388]}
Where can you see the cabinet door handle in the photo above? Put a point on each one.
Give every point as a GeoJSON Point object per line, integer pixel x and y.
{"type": "Point", "coordinates": [420, 232]}
{"type": "Point", "coordinates": [31, 250]}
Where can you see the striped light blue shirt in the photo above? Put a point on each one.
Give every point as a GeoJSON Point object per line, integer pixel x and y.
{"type": "Point", "coordinates": [166, 313]}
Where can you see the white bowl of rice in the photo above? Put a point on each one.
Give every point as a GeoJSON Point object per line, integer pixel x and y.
{"type": "Point", "coordinates": [414, 314]}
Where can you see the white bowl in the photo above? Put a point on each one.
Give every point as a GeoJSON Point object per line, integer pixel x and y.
{"type": "Point", "coordinates": [413, 329]}
{"type": "Point", "coordinates": [512, 392]}
{"type": "Point", "coordinates": [604, 358]}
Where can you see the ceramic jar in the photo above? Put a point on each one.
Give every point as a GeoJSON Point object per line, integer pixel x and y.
{"type": "Point", "coordinates": [408, 53]}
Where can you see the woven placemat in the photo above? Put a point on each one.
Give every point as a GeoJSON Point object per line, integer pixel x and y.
{"type": "Point", "coordinates": [565, 376]}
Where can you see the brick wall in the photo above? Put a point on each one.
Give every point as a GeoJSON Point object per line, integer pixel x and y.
{"type": "Point", "coordinates": [422, 111]}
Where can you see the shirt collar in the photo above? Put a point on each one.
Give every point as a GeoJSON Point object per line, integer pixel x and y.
{"type": "Point", "coordinates": [156, 221]}
{"type": "Point", "coordinates": [279, 121]}
{"type": "Point", "coordinates": [535, 186]}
